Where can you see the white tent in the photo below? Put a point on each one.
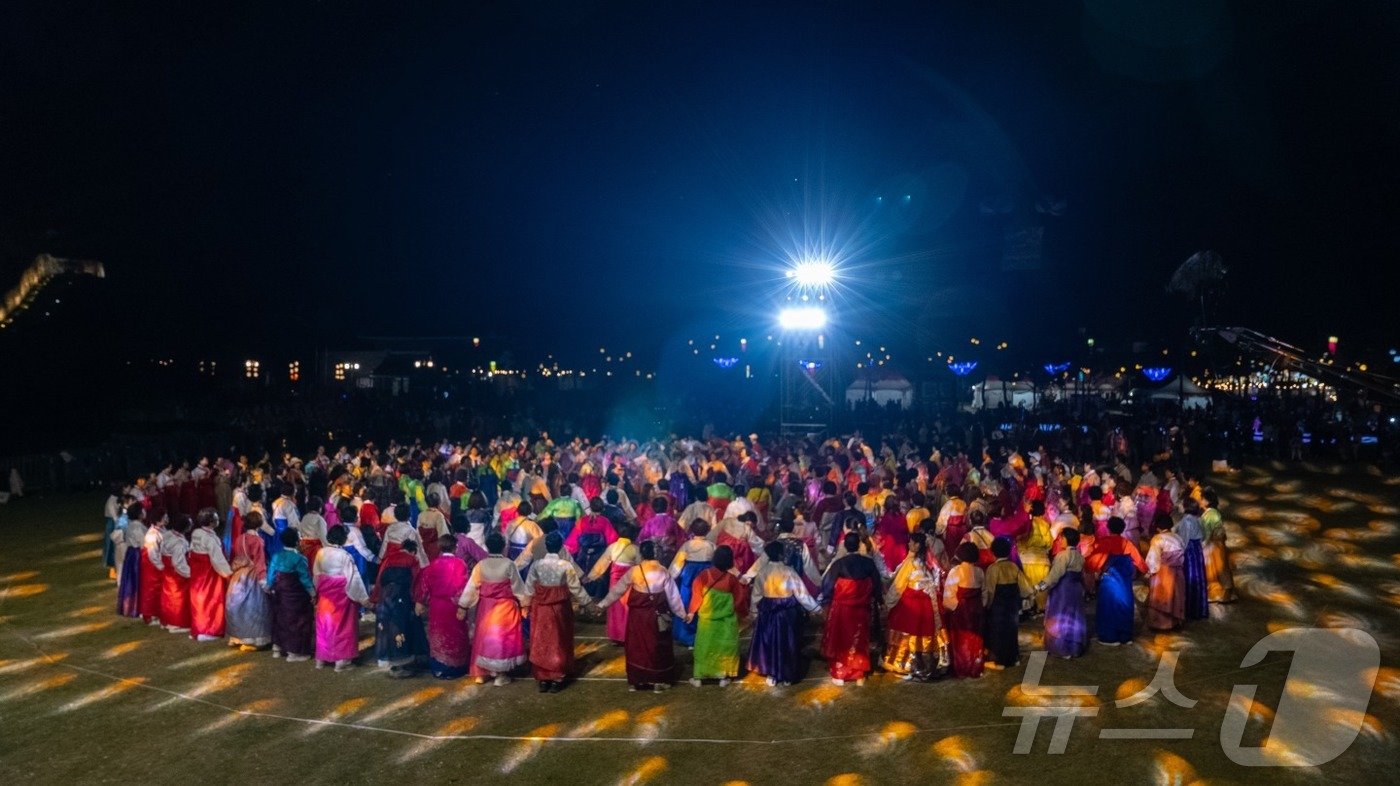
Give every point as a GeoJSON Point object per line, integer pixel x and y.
{"type": "Point", "coordinates": [1191, 395]}
{"type": "Point", "coordinates": [889, 387]}
{"type": "Point", "coordinates": [993, 392]}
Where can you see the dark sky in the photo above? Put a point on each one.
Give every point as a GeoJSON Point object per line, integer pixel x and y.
{"type": "Point", "coordinates": [569, 173]}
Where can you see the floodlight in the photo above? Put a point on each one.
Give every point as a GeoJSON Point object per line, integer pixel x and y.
{"type": "Point", "coordinates": [813, 273]}
{"type": "Point", "coordinates": [802, 318]}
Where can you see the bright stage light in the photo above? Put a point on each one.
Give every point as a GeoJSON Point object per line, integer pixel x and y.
{"type": "Point", "coordinates": [802, 318]}
{"type": "Point", "coordinates": [813, 273]}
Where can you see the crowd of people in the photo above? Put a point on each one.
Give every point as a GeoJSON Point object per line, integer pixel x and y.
{"type": "Point", "coordinates": [476, 558]}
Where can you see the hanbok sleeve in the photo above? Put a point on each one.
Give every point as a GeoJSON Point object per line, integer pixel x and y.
{"type": "Point", "coordinates": [180, 558]}
{"type": "Point", "coordinates": [517, 585]}
{"type": "Point", "coordinates": [678, 562]}
{"type": "Point", "coordinates": [673, 597]}
{"type": "Point", "coordinates": [576, 589]}
{"type": "Point", "coordinates": [809, 566]}
{"type": "Point", "coordinates": [618, 589]}
{"type": "Point", "coordinates": [1135, 555]}
{"type": "Point", "coordinates": [305, 575]}
{"type": "Point", "coordinates": [600, 568]}
{"type": "Point", "coordinates": [216, 558]}
{"type": "Point", "coordinates": [1154, 557]}
{"type": "Point", "coordinates": [799, 591]}
{"type": "Point", "coordinates": [950, 589]}
{"type": "Point", "coordinates": [532, 580]}
{"type": "Point", "coordinates": [354, 584]}
{"type": "Point", "coordinates": [471, 592]}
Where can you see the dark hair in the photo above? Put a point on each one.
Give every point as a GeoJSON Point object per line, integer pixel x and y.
{"type": "Point", "coordinates": [336, 535]}
{"type": "Point", "coordinates": [918, 499]}
{"type": "Point", "coordinates": [524, 509]}
{"type": "Point", "coordinates": [1001, 548]}
{"type": "Point", "coordinates": [401, 512]}
{"type": "Point", "coordinates": [553, 542]}
{"type": "Point", "coordinates": [1192, 506]}
{"type": "Point", "coordinates": [851, 542]}
{"type": "Point", "coordinates": [773, 550]}
{"type": "Point", "coordinates": [918, 542]}
{"type": "Point", "coordinates": [315, 504]}
{"type": "Point", "coordinates": [495, 543]}
{"type": "Point", "coordinates": [208, 517]}
{"type": "Point", "coordinates": [1162, 522]}
{"type": "Point", "coordinates": [699, 528]}
{"type": "Point", "coordinates": [1037, 508]}
{"type": "Point", "coordinates": [254, 492]}
{"type": "Point", "coordinates": [135, 512]}
{"type": "Point", "coordinates": [432, 499]}
{"type": "Point", "coordinates": [448, 543]}
{"type": "Point", "coordinates": [595, 505]}
{"type": "Point", "coordinates": [349, 514]}
{"type": "Point", "coordinates": [749, 516]}
{"type": "Point", "coordinates": [723, 558]}
{"type": "Point", "coordinates": [1116, 525]}
{"type": "Point", "coordinates": [289, 538]}
{"type": "Point", "coordinates": [977, 517]}
{"type": "Point", "coordinates": [829, 487]}
{"type": "Point", "coordinates": [786, 524]}
{"type": "Point", "coordinates": [1095, 493]}
{"type": "Point", "coordinates": [660, 504]}
{"type": "Point", "coordinates": [611, 496]}
{"type": "Point", "coordinates": [647, 550]}
{"type": "Point", "coordinates": [409, 546]}
{"type": "Point", "coordinates": [1071, 536]}
{"type": "Point", "coordinates": [1212, 499]}
{"type": "Point", "coordinates": [966, 553]}
{"type": "Point", "coordinates": [476, 501]}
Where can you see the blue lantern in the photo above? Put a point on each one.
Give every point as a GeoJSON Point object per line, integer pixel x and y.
{"type": "Point", "coordinates": [964, 368]}
{"type": "Point", "coordinates": [1157, 373]}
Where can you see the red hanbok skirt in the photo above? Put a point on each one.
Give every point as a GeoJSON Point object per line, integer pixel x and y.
{"type": "Point", "coordinates": [651, 659]}
{"type": "Point", "coordinates": [309, 548]}
{"type": "Point", "coordinates": [174, 596]}
{"type": "Point", "coordinates": [151, 583]}
{"type": "Point", "coordinates": [552, 633]}
{"type": "Point", "coordinates": [846, 639]}
{"type": "Point", "coordinates": [965, 633]}
{"type": "Point", "coordinates": [206, 590]}
{"type": "Point", "coordinates": [743, 552]}
{"type": "Point", "coordinates": [428, 538]}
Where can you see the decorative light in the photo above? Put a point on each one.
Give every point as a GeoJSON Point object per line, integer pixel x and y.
{"type": "Point", "coordinates": [964, 368]}
{"type": "Point", "coordinates": [810, 366]}
{"type": "Point", "coordinates": [1157, 373]}
{"type": "Point", "coordinates": [1055, 369]}
{"type": "Point", "coordinates": [726, 363]}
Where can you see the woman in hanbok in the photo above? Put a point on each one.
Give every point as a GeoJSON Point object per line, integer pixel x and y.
{"type": "Point", "coordinates": [153, 568]}
{"type": "Point", "coordinates": [552, 586]}
{"type": "Point", "coordinates": [718, 599]}
{"type": "Point", "coordinates": [438, 588]}
{"type": "Point", "coordinates": [586, 542]}
{"type": "Point", "coordinates": [293, 596]}
{"type": "Point", "coordinates": [779, 597]}
{"type": "Point", "coordinates": [398, 632]}
{"type": "Point", "coordinates": [738, 535]}
{"type": "Point", "coordinates": [616, 562]}
{"type": "Point", "coordinates": [962, 600]}
{"type": "Point", "coordinates": [209, 573]}
{"type": "Point", "coordinates": [1166, 593]}
{"type": "Point", "coordinates": [693, 558]}
{"type": "Point", "coordinates": [1004, 589]}
{"type": "Point", "coordinates": [313, 528]}
{"type": "Point", "coordinates": [661, 528]}
{"type": "Point", "coordinates": [1191, 532]}
{"type": "Point", "coordinates": [131, 556]}
{"type": "Point", "coordinates": [397, 533]}
{"type": "Point", "coordinates": [432, 525]}
{"type": "Point", "coordinates": [1066, 629]}
{"type": "Point", "coordinates": [981, 538]}
{"type": "Point", "coordinates": [478, 517]}
{"type": "Point", "coordinates": [175, 576]}
{"type": "Point", "coordinates": [851, 588]}
{"type": "Point", "coordinates": [652, 600]}
{"type": "Point", "coordinates": [891, 533]}
{"type": "Point", "coordinates": [521, 531]}
{"type": "Point", "coordinates": [1034, 550]}
{"type": "Point", "coordinates": [246, 607]}
{"type": "Point", "coordinates": [495, 588]}
{"type": "Point", "coordinates": [1220, 580]}
{"type": "Point", "coordinates": [1117, 562]}
{"type": "Point", "coordinates": [952, 521]}
{"type": "Point", "coordinates": [916, 645]}
{"type": "Point", "coordinates": [340, 592]}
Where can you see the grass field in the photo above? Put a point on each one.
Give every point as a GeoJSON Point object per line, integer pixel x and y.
{"type": "Point", "coordinates": [88, 697]}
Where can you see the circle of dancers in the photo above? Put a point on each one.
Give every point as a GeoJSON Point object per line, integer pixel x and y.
{"type": "Point", "coordinates": [476, 559]}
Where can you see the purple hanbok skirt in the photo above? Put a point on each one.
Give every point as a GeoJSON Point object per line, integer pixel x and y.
{"type": "Point", "coordinates": [129, 591]}
{"type": "Point", "coordinates": [1194, 566]}
{"type": "Point", "coordinates": [775, 651]}
{"type": "Point", "coordinates": [1066, 630]}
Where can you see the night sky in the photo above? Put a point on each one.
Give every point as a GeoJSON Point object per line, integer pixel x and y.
{"type": "Point", "coordinates": [568, 173]}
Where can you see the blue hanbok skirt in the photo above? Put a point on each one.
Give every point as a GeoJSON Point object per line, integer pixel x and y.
{"type": "Point", "coordinates": [1194, 566]}
{"type": "Point", "coordinates": [1115, 604]}
{"type": "Point", "coordinates": [775, 651]}
{"type": "Point", "coordinates": [685, 632]}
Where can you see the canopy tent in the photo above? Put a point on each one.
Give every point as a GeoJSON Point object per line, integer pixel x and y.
{"type": "Point", "coordinates": [883, 388]}
{"type": "Point", "coordinates": [993, 392]}
{"type": "Point", "coordinates": [1191, 395]}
